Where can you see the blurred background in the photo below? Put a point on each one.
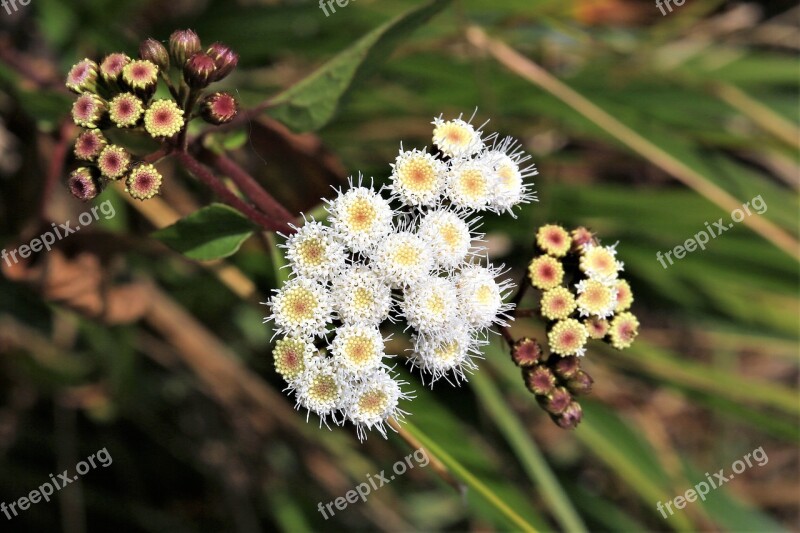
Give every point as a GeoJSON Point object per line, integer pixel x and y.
{"type": "Point", "coordinates": [644, 126]}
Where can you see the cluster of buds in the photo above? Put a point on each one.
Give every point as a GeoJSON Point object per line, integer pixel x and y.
{"type": "Point", "coordinates": [406, 253]}
{"type": "Point", "coordinates": [582, 295]}
{"type": "Point", "coordinates": [555, 381]}
{"type": "Point", "coordinates": [122, 93]}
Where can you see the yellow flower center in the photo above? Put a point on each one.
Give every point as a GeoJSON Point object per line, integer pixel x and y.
{"type": "Point", "coordinates": [450, 235]}
{"type": "Point", "coordinates": [473, 183]}
{"type": "Point", "coordinates": [324, 389]}
{"type": "Point", "coordinates": [358, 349]}
{"type": "Point", "coordinates": [362, 298]}
{"type": "Point", "coordinates": [360, 215]}
{"type": "Point", "coordinates": [406, 254]}
{"type": "Point", "coordinates": [417, 174]}
{"type": "Point", "coordinates": [300, 304]}
{"type": "Point", "coordinates": [484, 295]}
{"type": "Point", "coordinates": [447, 351]}
{"type": "Point", "coordinates": [311, 250]}
{"type": "Point", "coordinates": [373, 402]}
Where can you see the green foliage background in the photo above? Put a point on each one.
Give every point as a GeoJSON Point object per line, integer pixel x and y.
{"type": "Point", "coordinates": [712, 376]}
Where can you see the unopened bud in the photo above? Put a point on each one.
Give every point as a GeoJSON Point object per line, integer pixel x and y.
{"type": "Point", "coordinates": [82, 77]}
{"type": "Point", "coordinates": [199, 70]}
{"type": "Point", "coordinates": [182, 44]}
{"type": "Point", "coordinates": [571, 416]}
{"type": "Point", "coordinates": [557, 401]}
{"type": "Point", "coordinates": [526, 352]}
{"type": "Point", "coordinates": [580, 384]}
{"type": "Point", "coordinates": [219, 108]}
{"type": "Point", "coordinates": [539, 380]}
{"type": "Point", "coordinates": [565, 367]}
{"type": "Point", "coordinates": [141, 77]}
{"type": "Point", "coordinates": [581, 236]}
{"type": "Point", "coordinates": [112, 65]}
{"type": "Point", "coordinates": [224, 58]}
{"type": "Point", "coordinates": [155, 52]}
{"type": "Point", "coordinates": [83, 184]}
{"type": "Point", "coordinates": [89, 110]}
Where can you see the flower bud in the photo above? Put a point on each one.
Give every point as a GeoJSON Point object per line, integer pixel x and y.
{"type": "Point", "coordinates": [125, 110]}
{"type": "Point", "coordinates": [89, 145]}
{"type": "Point", "coordinates": [557, 401]}
{"type": "Point", "coordinates": [539, 380]}
{"type": "Point", "coordinates": [224, 58]}
{"type": "Point", "coordinates": [554, 240]}
{"type": "Point", "coordinates": [581, 236]}
{"type": "Point", "coordinates": [219, 108]}
{"type": "Point", "coordinates": [114, 161]}
{"type": "Point", "coordinates": [596, 327]}
{"type": "Point", "coordinates": [565, 367]}
{"type": "Point", "coordinates": [580, 384]}
{"type": "Point", "coordinates": [155, 52]}
{"type": "Point", "coordinates": [163, 119]}
{"type": "Point", "coordinates": [88, 110]}
{"type": "Point", "coordinates": [141, 77]}
{"type": "Point", "coordinates": [112, 65]}
{"type": "Point", "coordinates": [143, 182]}
{"type": "Point", "coordinates": [182, 44]}
{"type": "Point", "coordinates": [571, 416]}
{"type": "Point", "coordinates": [82, 77]}
{"type": "Point", "coordinates": [198, 71]}
{"type": "Point", "coordinates": [83, 184]}
{"type": "Point", "coordinates": [526, 352]}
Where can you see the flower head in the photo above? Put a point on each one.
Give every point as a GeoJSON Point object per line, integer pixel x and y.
{"type": "Point", "coordinates": [290, 355]}
{"type": "Point", "coordinates": [596, 298]}
{"type": "Point", "coordinates": [526, 352]}
{"type": "Point", "coordinates": [358, 348]}
{"type": "Point", "coordinates": [553, 240]}
{"type": "Point", "coordinates": [596, 327]}
{"type": "Point", "coordinates": [471, 184]}
{"type": "Point", "coordinates": [417, 178]}
{"type": "Point", "coordinates": [403, 258]}
{"type": "Point", "coordinates": [539, 380]}
{"type": "Point", "coordinates": [624, 295]}
{"type": "Point", "coordinates": [83, 184]}
{"type": "Point", "coordinates": [361, 296]}
{"type": "Point", "coordinates": [199, 69]}
{"type": "Point", "coordinates": [163, 119]}
{"type": "Point", "coordinates": [125, 110]}
{"type": "Point", "coordinates": [88, 110]}
{"type": "Point", "coordinates": [450, 351]}
{"type": "Point", "coordinates": [321, 388]}
{"type": "Point", "coordinates": [313, 252]}
{"type": "Point", "coordinates": [624, 329]}
{"type": "Point", "coordinates": [456, 138]}
{"type": "Point", "coordinates": [112, 65]}
{"type": "Point", "coordinates": [141, 76]}
{"type": "Point", "coordinates": [301, 307]}
{"type": "Point", "coordinates": [182, 44]}
{"type": "Point", "coordinates": [557, 303]}
{"type": "Point", "coordinates": [510, 188]}
{"type": "Point", "coordinates": [600, 262]}
{"type": "Point", "coordinates": [360, 217]}
{"type": "Point", "coordinates": [114, 161]}
{"type": "Point", "coordinates": [82, 77]}
{"type": "Point", "coordinates": [481, 297]}
{"type": "Point", "coordinates": [225, 60]}
{"type": "Point", "coordinates": [89, 145]}
{"type": "Point", "coordinates": [581, 237]}
{"type": "Point", "coordinates": [373, 401]}
{"type": "Point", "coordinates": [568, 337]}
{"type": "Point", "coordinates": [449, 236]}
{"type": "Point", "coordinates": [546, 272]}
{"type": "Point", "coordinates": [143, 182]}
{"type": "Point", "coordinates": [155, 52]}
{"type": "Point", "coordinates": [571, 416]}
{"type": "Point", "coordinates": [430, 305]}
{"type": "Point", "coordinates": [219, 108]}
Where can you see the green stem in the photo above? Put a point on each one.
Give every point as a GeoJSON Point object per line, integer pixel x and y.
{"type": "Point", "coordinates": [528, 453]}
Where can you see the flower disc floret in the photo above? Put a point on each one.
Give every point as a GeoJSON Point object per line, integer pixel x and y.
{"type": "Point", "coordinates": [456, 138]}
{"type": "Point", "coordinates": [448, 352]}
{"type": "Point", "coordinates": [554, 240]}
{"type": "Point", "coordinates": [373, 401]}
{"type": "Point", "coordinates": [546, 272]}
{"type": "Point", "coordinates": [480, 296]}
{"type": "Point", "coordinates": [88, 110]}
{"type": "Point", "coordinates": [449, 237]}
{"type": "Point", "coordinates": [114, 161]}
{"type": "Point", "coordinates": [290, 355]}
{"type": "Point", "coordinates": [568, 337]}
{"type": "Point", "coordinates": [163, 119]}
{"type": "Point", "coordinates": [321, 388]}
{"type": "Point", "coordinates": [403, 258]}
{"type": "Point", "coordinates": [313, 252]}
{"type": "Point", "coordinates": [624, 295]}
{"type": "Point", "coordinates": [360, 295]}
{"type": "Point", "coordinates": [596, 298]}
{"type": "Point", "coordinates": [417, 178]}
{"type": "Point", "coordinates": [471, 185]}
{"type": "Point", "coordinates": [125, 110]}
{"type": "Point", "coordinates": [301, 307]}
{"type": "Point", "coordinates": [358, 348]}
{"type": "Point", "coordinates": [90, 144]}
{"type": "Point", "coordinates": [600, 262]}
{"type": "Point", "coordinates": [431, 304]}
{"type": "Point", "coordinates": [557, 303]}
{"type": "Point", "coordinates": [624, 330]}
{"type": "Point", "coordinates": [360, 217]}
{"type": "Point", "coordinates": [143, 182]}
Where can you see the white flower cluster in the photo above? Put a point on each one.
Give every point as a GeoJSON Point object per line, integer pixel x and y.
{"type": "Point", "coordinates": [412, 256]}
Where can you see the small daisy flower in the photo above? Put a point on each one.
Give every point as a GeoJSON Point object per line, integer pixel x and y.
{"type": "Point", "coordinates": [403, 258]}
{"type": "Point", "coordinates": [449, 235]}
{"type": "Point", "coordinates": [624, 295]}
{"type": "Point", "coordinates": [456, 138]}
{"type": "Point", "coordinates": [431, 304]}
{"type": "Point", "coordinates": [374, 401]}
{"type": "Point", "coordinates": [450, 351]}
{"type": "Point", "coordinates": [624, 329]}
{"type": "Point", "coordinates": [143, 182]}
{"type": "Point", "coordinates": [82, 77]}
{"type": "Point", "coordinates": [510, 188]}
{"type": "Point", "coordinates": [125, 110]}
{"type": "Point", "coordinates": [597, 327]}
{"type": "Point", "coordinates": [471, 185]}
{"type": "Point", "coordinates": [112, 65]}
{"type": "Point", "coordinates": [83, 184]}
{"type": "Point", "coordinates": [314, 253]}
{"type": "Point", "coordinates": [568, 337]}
{"type": "Point", "coordinates": [600, 262]}
{"type": "Point", "coordinates": [360, 296]}
{"type": "Point", "coordinates": [89, 145]}
{"type": "Point", "coordinates": [290, 355]}
{"type": "Point", "coordinates": [321, 389]}
{"type": "Point", "coordinates": [481, 297]}
{"type": "Point", "coordinates": [360, 217]}
{"type": "Point", "coordinates": [358, 348]}
{"type": "Point", "coordinates": [301, 307]}
{"type": "Point", "coordinates": [141, 76]}
{"type": "Point", "coordinates": [546, 272]}
{"type": "Point", "coordinates": [417, 178]}
{"type": "Point", "coordinates": [163, 119]}
{"type": "Point", "coordinates": [88, 110]}
{"type": "Point", "coordinates": [553, 240]}
{"type": "Point", "coordinates": [557, 303]}
{"type": "Point", "coordinates": [114, 161]}
{"type": "Point", "coordinates": [596, 298]}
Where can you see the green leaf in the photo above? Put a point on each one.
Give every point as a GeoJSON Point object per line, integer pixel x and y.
{"type": "Point", "coordinates": [311, 103]}
{"type": "Point", "coordinates": [213, 232]}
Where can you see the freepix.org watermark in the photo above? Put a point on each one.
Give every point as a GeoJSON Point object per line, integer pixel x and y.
{"type": "Point", "coordinates": [701, 489]}
{"type": "Point", "coordinates": [11, 6]}
{"type": "Point", "coordinates": [58, 232]}
{"type": "Point", "coordinates": [668, 3]}
{"type": "Point", "coordinates": [363, 490]}
{"type": "Point", "coordinates": [701, 238]}
{"type": "Point", "coordinates": [56, 483]}
{"type": "Point", "coordinates": [325, 5]}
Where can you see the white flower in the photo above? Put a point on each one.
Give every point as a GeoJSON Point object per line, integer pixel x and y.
{"type": "Point", "coordinates": [596, 298]}
{"type": "Point", "coordinates": [456, 137]}
{"type": "Point", "coordinates": [450, 351]}
{"type": "Point", "coordinates": [510, 189]}
{"type": "Point", "coordinates": [600, 263]}
{"type": "Point", "coordinates": [373, 401]}
{"type": "Point", "coordinates": [481, 297]}
{"type": "Point", "coordinates": [321, 389]}
{"type": "Point", "coordinates": [301, 307]}
{"type": "Point", "coordinates": [358, 348]}
{"type": "Point", "coordinates": [430, 305]}
{"type": "Point", "coordinates": [417, 178]}
{"type": "Point", "coordinates": [359, 295]}
{"type": "Point", "coordinates": [403, 258]}
{"type": "Point", "coordinates": [314, 253]}
{"type": "Point", "coordinates": [360, 217]}
{"type": "Point", "coordinates": [449, 235]}
{"type": "Point", "coordinates": [290, 355]}
{"type": "Point", "coordinates": [471, 184]}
